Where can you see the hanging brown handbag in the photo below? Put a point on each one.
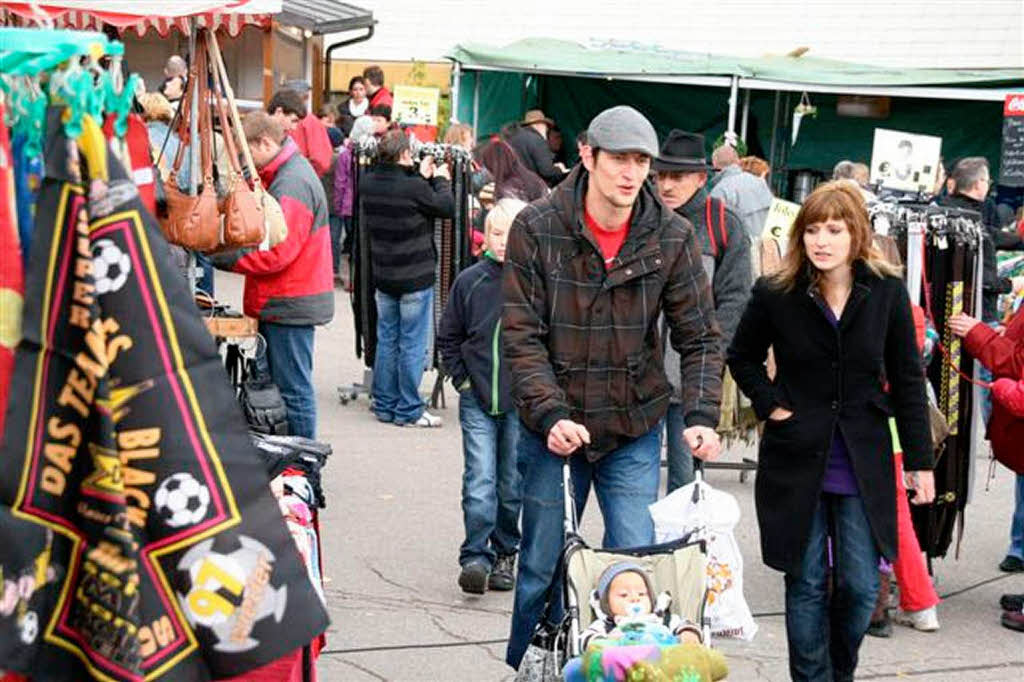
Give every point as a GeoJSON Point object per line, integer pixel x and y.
{"type": "Point", "coordinates": [193, 221]}
{"type": "Point", "coordinates": [244, 217]}
{"type": "Point", "coordinates": [253, 216]}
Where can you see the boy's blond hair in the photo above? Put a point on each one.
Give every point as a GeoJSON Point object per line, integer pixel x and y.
{"type": "Point", "coordinates": [502, 215]}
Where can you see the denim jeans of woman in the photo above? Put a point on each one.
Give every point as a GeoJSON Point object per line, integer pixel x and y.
{"type": "Point", "coordinates": [491, 485]}
{"type": "Point", "coordinates": [626, 482]}
{"type": "Point", "coordinates": [403, 333]}
{"type": "Point", "coordinates": [824, 634]}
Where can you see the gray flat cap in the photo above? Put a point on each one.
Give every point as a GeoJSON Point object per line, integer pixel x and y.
{"type": "Point", "coordinates": [623, 129]}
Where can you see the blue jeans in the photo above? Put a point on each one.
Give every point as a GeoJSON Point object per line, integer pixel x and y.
{"type": "Point", "coordinates": [1017, 527]}
{"type": "Point", "coordinates": [205, 282]}
{"type": "Point", "coordinates": [491, 486]}
{"type": "Point", "coordinates": [824, 637]}
{"type": "Point", "coordinates": [290, 361]}
{"type": "Point", "coordinates": [680, 459]}
{"type": "Point", "coordinates": [626, 482]}
{"type": "Point", "coordinates": [403, 325]}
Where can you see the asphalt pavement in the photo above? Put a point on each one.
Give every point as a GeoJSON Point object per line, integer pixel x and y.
{"type": "Point", "coordinates": [393, 525]}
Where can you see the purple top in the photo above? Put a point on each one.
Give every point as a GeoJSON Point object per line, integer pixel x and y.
{"type": "Point", "coordinates": [343, 182]}
{"type": "Point", "coordinates": [839, 478]}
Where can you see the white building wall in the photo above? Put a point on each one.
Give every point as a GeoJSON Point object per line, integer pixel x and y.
{"type": "Point", "coordinates": [911, 33]}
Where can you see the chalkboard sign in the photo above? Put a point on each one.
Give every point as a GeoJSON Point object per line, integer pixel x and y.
{"type": "Point", "coordinates": [1011, 165]}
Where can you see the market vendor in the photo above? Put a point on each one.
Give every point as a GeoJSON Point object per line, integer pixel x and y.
{"type": "Point", "coordinates": [290, 287]}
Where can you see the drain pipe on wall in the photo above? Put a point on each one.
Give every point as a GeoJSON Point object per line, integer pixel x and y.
{"type": "Point", "coordinates": [335, 46]}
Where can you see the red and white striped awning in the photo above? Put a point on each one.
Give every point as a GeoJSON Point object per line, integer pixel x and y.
{"type": "Point", "coordinates": [141, 16]}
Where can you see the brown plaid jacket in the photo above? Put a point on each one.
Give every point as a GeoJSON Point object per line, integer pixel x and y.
{"type": "Point", "coordinates": [582, 343]}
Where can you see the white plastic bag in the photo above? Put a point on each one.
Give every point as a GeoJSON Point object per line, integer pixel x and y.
{"type": "Point", "coordinates": [712, 515]}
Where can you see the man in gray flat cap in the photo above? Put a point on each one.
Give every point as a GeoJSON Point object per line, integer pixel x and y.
{"type": "Point", "coordinates": [589, 270]}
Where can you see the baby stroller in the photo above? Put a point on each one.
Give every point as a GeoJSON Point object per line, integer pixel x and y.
{"type": "Point", "coordinates": [678, 567]}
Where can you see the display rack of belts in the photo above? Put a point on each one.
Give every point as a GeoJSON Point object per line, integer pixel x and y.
{"type": "Point", "coordinates": [941, 248]}
{"type": "Point", "coordinates": [451, 242]}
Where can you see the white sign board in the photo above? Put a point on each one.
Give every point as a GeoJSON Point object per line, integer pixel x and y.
{"type": "Point", "coordinates": [905, 161]}
{"type": "Point", "coordinates": [779, 222]}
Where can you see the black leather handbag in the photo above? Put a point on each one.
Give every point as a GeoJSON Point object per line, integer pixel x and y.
{"type": "Point", "coordinates": [262, 403]}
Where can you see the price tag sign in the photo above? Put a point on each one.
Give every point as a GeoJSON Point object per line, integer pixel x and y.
{"type": "Point", "coordinates": [416, 105]}
{"type": "Point", "coordinates": [1011, 163]}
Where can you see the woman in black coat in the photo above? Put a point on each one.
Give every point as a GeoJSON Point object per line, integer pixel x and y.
{"type": "Point", "coordinates": [838, 318]}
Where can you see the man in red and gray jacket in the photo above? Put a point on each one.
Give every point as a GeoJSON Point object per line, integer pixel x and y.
{"type": "Point", "coordinates": [289, 288]}
{"type": "Point", "coordinates": [290, 108]}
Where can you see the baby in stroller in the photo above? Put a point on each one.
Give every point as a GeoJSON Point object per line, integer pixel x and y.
{"type": "Point", "coordinates": [623, 603]}
{"type": "Point", "coordinates": [634, 634]}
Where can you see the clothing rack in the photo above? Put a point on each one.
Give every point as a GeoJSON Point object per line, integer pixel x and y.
{"type": "Point", "coordinates": [451, 242]}
{"type": "Point", "coordinates": [941, 247]}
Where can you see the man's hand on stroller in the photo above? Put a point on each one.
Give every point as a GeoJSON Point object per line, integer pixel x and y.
{"type": "Point", "coordinates": [704, 442]}
{"type": "Point", "coordinates": [567, 436]}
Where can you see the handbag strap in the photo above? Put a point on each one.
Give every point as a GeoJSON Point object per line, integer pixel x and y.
{"type": "Point", "coordinates": [184, 118]}
{"type": "Point", "coordinates": [229, 93]}
{"type": "Point", "coordinates": [205, 122]}
{"type": "Point", "coordinates": [227, 128]}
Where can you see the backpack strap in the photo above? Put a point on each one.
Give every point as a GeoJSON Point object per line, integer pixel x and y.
{"type": "Point", "coordinates": [711, 231]}
{"type": "Point", "coordinates": [721, 224]}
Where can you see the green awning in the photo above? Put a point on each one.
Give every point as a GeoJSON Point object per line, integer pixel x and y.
{"type": "Point", "coordinates": [614, 59]}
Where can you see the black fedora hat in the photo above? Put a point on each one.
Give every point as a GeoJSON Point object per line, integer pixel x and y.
{"type": "Point", "coordinates": [681, 152]}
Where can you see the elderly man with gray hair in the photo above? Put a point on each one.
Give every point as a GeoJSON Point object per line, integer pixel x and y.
{"type": "Point", "coordinates": [971, 184]}
{"type": "Point", "coordinates": [858, 174]}
{"type": "Point", "coordinates": [175, 77]}
{"type": "Point", "coordinates": [746, 194]}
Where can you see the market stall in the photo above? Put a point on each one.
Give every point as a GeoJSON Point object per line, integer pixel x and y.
{"type": "Point", "coordinates": [144, 537]}
{"type": "Point", "coordinates": [265, 42]}
{"type": "Point", "coordinates": [754, 97]}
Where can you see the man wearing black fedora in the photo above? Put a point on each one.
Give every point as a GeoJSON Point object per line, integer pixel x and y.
{"type": "Point", "coordinates": [681, 171]}
{"type": "Point", "coordinates": [530, 140]}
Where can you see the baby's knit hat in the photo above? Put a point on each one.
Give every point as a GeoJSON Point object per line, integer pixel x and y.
{"type": "Point", "coordinates": [610, 573]}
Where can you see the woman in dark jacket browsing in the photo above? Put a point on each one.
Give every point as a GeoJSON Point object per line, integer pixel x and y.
{"type": "Point", "coordinates": [838, 318]}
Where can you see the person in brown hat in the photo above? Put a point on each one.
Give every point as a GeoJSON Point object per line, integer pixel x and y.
{"type": "Point", "coordinates": [530, 140]}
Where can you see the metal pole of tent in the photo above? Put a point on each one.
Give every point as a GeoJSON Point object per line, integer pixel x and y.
{"type": "Point", "coordinates": [732, 104]}
{"type": "Point", "coordinates": [193, 148]}
{"type": "Point", "coordinates": [456, 82]}
{"type": "Point", "coordinates": [476, 103]}
{"type": "Point", "coordinates": [775, 137]}
{"type": "Point", "coordinates": [746, 113]}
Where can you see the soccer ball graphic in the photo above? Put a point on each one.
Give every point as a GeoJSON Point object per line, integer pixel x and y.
{"type": "Point", "coordinates": [181, 500]}
{"type": "Point", "coordinates": [111, 266]}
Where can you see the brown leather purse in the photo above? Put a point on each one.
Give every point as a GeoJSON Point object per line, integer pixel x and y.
{"type": "Point", "coordinates": [244, 216]}
{"type": "Point", "coordinates": [193, 221]}
{"type": "Point", "coordinates": [251, 216]}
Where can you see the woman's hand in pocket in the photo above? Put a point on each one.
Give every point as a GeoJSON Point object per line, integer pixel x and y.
{"type": "Point", "coordinates": [780, 414]}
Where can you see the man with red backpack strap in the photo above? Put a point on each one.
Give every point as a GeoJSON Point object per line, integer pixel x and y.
{"type": "Point", "coordinates": [682, 174]}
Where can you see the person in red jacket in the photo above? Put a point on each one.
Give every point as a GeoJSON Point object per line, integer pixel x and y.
{"type": "Point", "coordinates": [1003, 354]}
{"type": "Point", "coordinates": [380, 96]}
{"type": "Point", "coordinates": [289, 288]}
{"type": "Point", "coordinates": [289, 108]}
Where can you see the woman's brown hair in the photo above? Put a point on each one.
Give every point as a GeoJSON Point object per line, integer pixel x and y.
{"type": "Point", "coordinates": [836, 200]}
{"type": "Point", "coordinates": [755, 166]}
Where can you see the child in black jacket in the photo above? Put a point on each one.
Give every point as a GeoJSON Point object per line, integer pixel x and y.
{"type": "Point", "coordinates": [469, 340]}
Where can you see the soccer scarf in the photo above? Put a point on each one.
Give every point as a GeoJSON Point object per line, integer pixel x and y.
{"type": "Point", "coordinates": [135, 515]}
{"type": "Point", "coordinates": [136, 150]}
{"type": "Point", "coordinates": [11, 276]}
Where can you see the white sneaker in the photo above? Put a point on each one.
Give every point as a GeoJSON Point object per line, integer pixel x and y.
{"type": "Point", "coordinates": [427, 421]}
{"type": "Point", "coordinates": [925, 620]}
